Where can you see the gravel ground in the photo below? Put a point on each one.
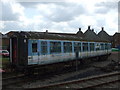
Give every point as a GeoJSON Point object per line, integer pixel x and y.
{"type": "Point", "coordinates": [80, 73]}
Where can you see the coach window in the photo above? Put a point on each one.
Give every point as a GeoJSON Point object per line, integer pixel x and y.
{"type": "Point", "coordinates": [109, 46]}
{"type": "Point", "coordinates": [55, 47]}
{"type": "Point", "coordinates": [67, 47]}
{"type": "Point", "coordinates": [34, 47]}
{"type": "Point", "coordinates": [77, 47]}
{"type": "Point", "coordinates": [97, 46]}
{"type": "Point", "coordinates": [43, 47]}
{"type": "Point", "coordinates": [106, 46]}
{"type": "Point", "coordinates": [85, 46]}
{"type": "Point", "coordinates": [92, 46]}
{"type": "Point", "coordinates": [102, 46]}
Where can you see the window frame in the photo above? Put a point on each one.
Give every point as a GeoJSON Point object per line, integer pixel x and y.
{"type": "Point", "coordinates": [66, 48]}
{"type": "Point", "coordinates": [77, 47]}
{"type": "Point", "coordinates": [97, 46]}
{"type": "Point", "coordinates": [55, 48]}
{"type": "Point", "coordinates": [85, 47]}
{"type": "Point", "coordinates": [102, 46]}
{"type": "Point", "coordinates": [42, 49]}
{"type": "Point", "coordinates": [92, 46]}
{"type": "Point", "coordinates": [36, 48]}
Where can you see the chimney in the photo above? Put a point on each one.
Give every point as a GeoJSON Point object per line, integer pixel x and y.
{"type": "Point", "coordinates": [46, 31]}
{"type": "Point", "coordinates": [88, 27]}
{"type": "Point", "coordinates": [93, 30]}
{"type": "Point", "coordinates": [102, 28]}
{"type": "Point", "coordinates": [79, 29]}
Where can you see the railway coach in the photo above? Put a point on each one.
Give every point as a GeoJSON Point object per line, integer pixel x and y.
{"type": "Point", "coordinates": [31, 49]}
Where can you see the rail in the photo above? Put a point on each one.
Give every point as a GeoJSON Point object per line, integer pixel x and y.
{"type": "Point", "coordinates": [88, 82]}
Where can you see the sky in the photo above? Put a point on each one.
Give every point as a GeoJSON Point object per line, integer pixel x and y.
{"type": "Point", "coordinates": [60, 16]}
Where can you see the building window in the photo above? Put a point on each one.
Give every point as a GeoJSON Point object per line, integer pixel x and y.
{"type": "Point", "coordinates": [92, 46]}
{"type": "Point", "coordinates": [67, 47]}
{"type": "Point", "coordinates": [43, 47]}
{"type": "Point", "coordinates": [77, 47]}
{"type": "Point", "coordinates": [85, 46]}
{"type": "Point", "coordinates": [55, 47]}
{"type": "Point", "coordinates": [34, 47]}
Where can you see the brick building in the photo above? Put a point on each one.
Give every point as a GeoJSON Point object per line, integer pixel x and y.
{"type": "Point", "coordinates": [116, 40]}
{"type": "Point", "coordinates": [104, 35]}
{"type": "Point", "coordinates": [4, 41]}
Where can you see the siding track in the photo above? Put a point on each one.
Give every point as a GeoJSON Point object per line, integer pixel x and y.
{"type": "Point", "coordinates": [89, 82]}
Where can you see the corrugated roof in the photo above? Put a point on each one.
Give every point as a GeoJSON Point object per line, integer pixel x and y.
{"type": "Point", "coordinates": [89, 36]}
{"type": "Point", "coordinates": [44, 35]}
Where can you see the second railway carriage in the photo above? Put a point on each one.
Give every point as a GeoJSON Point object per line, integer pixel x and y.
{"type": "Point", "coordinates": [35, 48]}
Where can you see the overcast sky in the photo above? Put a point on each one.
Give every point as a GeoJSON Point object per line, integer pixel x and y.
{"type": "Point", "coordinates": [59, 15]}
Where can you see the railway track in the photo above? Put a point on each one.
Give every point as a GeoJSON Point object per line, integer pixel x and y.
{"type": "Point", "coordinates": [19, 79]}
{"type": "Point", "coordinates": [89, 82]}
{"type": "Point", "coordinates": [22, 79]}
{"type": "Point", "coordinates": [12, 80]}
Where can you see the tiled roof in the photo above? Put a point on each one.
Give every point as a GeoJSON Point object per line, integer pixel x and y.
{"type": "Point", "coordinates": [103, 35]}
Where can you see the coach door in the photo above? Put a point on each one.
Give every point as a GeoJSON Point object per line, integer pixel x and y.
{"type": "Point", "coordinates": [13, 50]}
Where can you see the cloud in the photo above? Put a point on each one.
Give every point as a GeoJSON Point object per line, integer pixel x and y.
{"type": "Point", "coordinates": [28, 4]}
{"type": "Point", "coordinates": [2, 26]}
{"type": "Point", "coordinates": [7, 13]}
{"type": "Point", "coordinates": [101, 10]}
{"type": "Point", "coordinates": [59, 16]}
{"type": "Point", "coordinates": [16, 26]}
{"type": "Point", "coordinates": [110, 5]}
{"type": "Point", "coordinates": [60, 13]}
{"type": "Point", "coordinates": [105, 7]}
{"type": "Point", "coordinates": [11, 11]}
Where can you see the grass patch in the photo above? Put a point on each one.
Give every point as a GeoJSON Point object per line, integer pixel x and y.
{"type": "Point", "coordinates": [115, 50]}
{"type": "Point", "coordinates": [4, 62]}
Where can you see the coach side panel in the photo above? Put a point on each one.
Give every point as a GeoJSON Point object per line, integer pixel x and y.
{"type": "Point", "coordinates": [44, 52]}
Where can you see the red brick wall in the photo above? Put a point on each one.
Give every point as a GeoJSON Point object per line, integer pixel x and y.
{"type": "Point", "coordinates": [116, 40]}
{"type": "Point", "coordinates": [5, 43]}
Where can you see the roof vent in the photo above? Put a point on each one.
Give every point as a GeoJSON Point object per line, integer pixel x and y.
{"type": "Point", "coordinates": [93, 30]}
{"type": "Point", "coordinates": [46, 32]}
